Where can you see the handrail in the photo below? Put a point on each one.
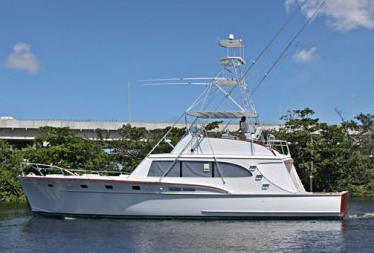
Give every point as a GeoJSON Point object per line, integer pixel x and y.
{"type": "Point", "coordinates": [39, 167]}
{"type": "Point", "coordinates": [282, 144]}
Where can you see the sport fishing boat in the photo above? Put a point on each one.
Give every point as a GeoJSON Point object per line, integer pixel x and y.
{"type": "Point", "coordinates": [208, 174]}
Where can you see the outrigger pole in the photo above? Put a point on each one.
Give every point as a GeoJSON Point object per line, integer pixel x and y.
{"type": "Point", "coordinates": [288, 46]}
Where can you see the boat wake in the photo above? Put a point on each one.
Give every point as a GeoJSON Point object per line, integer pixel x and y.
{"type": "Point", "coordinates": [361, 216]}
{"type": "Point", "coordinates": [69, 218]}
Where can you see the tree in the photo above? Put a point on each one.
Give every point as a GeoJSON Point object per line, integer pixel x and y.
{"type": "Point", "coordinates": [341, 154]}
{"type": "Point", "coordinates": [311, 141]}
{"type": "Point", "coordinates": [10, 188]}
{"type": "Point", "coordinates": [62, 147]}
{"type": "Point", "coordinates": [137, 142]}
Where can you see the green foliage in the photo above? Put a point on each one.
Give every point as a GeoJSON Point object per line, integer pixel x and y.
{"type": "Point", "coordinates": [213, 125]}
{"type": "Point", "coordinates": [58, 146]}
{"type": "Point", "coordinates": [62, 147]}
{"type": "Point", "coordinates": [10, 188]}
{"type": "Point", "coordinates": [136, 143]}
{"type": "Point", "coordinates": [340, 160]}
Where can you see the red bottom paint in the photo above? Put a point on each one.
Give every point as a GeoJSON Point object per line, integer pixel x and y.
{"type": "Point", "coordinates": [344, 204]}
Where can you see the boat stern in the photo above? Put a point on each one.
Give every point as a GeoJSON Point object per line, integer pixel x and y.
{"type": "Point", "coordinates": [344, 204]}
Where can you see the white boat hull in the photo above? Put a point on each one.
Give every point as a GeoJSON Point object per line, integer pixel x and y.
{"type": "Point", "coordinates": [65, 198]}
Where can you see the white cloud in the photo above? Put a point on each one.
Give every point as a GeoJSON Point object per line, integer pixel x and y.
{"type": "Point", "coordinates": [22, 58]}
{"type": "Point", "coordinates": [342, 15]}
{"type": "Point", "coordinates": [306, 55]}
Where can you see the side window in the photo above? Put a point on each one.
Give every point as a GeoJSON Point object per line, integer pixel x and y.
{"type": "Point", "coordinates": [158, 168]}
{"type": "Point", "coordinates": [197, 169]}
{"type": "Point", "coordinates": [230, 170]}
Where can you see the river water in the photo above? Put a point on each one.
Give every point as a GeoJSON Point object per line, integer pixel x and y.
{"type": "Point", "coordinates": [22, 232]}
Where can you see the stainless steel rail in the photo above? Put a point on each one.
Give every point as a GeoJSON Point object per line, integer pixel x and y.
{"type": "Point", "coordinates": [44, 169]}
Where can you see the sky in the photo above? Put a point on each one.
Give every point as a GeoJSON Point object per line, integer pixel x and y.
{"type": "Point", "coordinates": [75, 60]}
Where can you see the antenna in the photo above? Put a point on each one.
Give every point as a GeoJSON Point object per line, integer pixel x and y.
{"type": "Point", "coordinates": [340, 114]}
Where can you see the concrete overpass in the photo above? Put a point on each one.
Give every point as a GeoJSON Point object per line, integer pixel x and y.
{"type": "Point", "coordinates": [26, 130]}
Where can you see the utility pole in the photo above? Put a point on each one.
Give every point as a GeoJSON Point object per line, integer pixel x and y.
{"type": "Point", "coordinates": [128, 103]}
{"type": "Point", "coordinates": [311, 167]}
{"type": "Point", "coordinates": [311, 177]}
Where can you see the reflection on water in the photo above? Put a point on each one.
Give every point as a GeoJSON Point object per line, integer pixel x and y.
{"type": "Point", "coordinates": [25, 233]}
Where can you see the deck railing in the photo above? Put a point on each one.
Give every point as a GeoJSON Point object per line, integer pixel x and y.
{"type": "Point", "coordinates": [279, 145]}
{"type": "Point", "coordinates": [46, 169]}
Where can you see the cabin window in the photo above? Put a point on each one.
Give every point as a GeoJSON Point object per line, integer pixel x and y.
{"type": "Point", "coordinates": [197, 169]}
{"type": "Point", "coordinates": [136, 187]}
{"type": "Point", "coordinates": [159, 168]}
{"type": "Point", "coordinates": [230, 170]}
{"type": "Point", "coordinates": [109, 187]}
{"type": "Point", "coordinates": [50, 185]}
{"type": "Point", "coordinates": [84, 186]}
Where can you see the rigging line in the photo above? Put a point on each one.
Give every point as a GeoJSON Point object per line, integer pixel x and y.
{"type": "Point", "coordinates": [209, 98]}
{"type": "Point", "coordinates": [224, 98]}
{"type": "Point", "coordinates": [198, 98]}
{"type": "Point", "coordinates": [203, 102]}
{"type": "Point", "coordinates": [288, 46]}
{"type": "Point", "coordinates": [254, 62]}
{"type": "Point", "coordinates": [174, 161]}
{"type": "Point", "coordinates": [206, 95]}
{"type": "Point", "coordinates": [166, 134]}
{"type": "Point", "coordinates": [225, 126]}
{"type": "Point", "coordinates": [180, 153]}
{"type": "Point", "coordinates": [214, 157]}
{"type": "Point", "coordinates": [230, 97]}
{"type": "Point", "coordinates": [257, 72]}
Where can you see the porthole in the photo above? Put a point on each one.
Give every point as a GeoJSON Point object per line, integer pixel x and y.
{"type": "Point", "coordinates": [259, 177]}
{"type": "Point", "coordinates": [252, 168]}
{"type": "Point", "coordinates": [265, 187]}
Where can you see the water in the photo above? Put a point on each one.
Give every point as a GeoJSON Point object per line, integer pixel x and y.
{"type": "Point", "coordinates": [22, 232]}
